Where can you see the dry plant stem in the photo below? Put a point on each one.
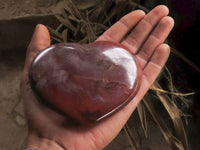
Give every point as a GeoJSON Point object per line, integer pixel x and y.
{"type": "Point", "coordinates": [142, 116]}
{"type": "Point", "coordinates": [175, 115]}
{"type": "Point", "coordinates": [130, 137]}
{"type": "Point", "coordinates": [173, 142]}
{"type": "Point", "coordinates": [171, 93]}
{"type": "Point", "coordinates": [173, 89]}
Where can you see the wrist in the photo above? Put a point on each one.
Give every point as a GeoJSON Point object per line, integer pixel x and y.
{"type": "Point", "coordinates": [35, 142]}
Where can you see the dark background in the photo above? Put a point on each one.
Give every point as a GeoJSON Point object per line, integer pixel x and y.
{"type": "Point", "coordinates": [185, 39]}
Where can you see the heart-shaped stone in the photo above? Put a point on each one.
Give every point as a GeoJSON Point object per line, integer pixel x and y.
{"type": "Point", "coordinates": [87, 82]}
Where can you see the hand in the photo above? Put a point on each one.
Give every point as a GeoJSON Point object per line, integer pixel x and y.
{"type": "Point", "coordinates": [50, 130]}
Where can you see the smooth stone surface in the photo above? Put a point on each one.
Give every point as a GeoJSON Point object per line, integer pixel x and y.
{"type": "Point", "coordinates": [87, 82]}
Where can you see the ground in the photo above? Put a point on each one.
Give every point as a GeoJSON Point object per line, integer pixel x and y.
{"type": "Point", "coordinates": [20, 8]}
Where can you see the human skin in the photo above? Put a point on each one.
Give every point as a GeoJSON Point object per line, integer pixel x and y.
{"type": "Point", "coordinates": [49, 130]}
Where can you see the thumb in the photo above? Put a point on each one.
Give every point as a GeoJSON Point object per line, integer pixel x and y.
{"type": "Point", "coordinates": [40, 41]}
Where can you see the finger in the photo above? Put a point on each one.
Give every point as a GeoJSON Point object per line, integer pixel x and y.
{"type": "Point", "coordinates": [40, 40]}
{"type": "Point", "coordinates": [157, 37]}
{"type": "Point", "coordinates": [156, 63]}
{"type": "Point", "coordinates": [144, 28]}
{"type": "Point", "coordinates": [150, 73]}
{"type": "Point", "coordinates": [122, 27]}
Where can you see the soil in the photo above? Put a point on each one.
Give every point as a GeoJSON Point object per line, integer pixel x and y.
{"type": "Point", "coordinates": [20, 8]}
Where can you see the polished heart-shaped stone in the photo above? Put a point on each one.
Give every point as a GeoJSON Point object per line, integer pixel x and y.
{"type": "Point", "coordinates": [87, 82]}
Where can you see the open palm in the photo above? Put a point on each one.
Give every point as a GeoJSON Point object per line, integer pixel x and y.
{"type": "Point", "coordinates": [50, 130]}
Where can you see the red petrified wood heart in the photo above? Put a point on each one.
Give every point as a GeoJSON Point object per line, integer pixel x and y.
{"type": "Point", "coordinates": [87, 82]}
